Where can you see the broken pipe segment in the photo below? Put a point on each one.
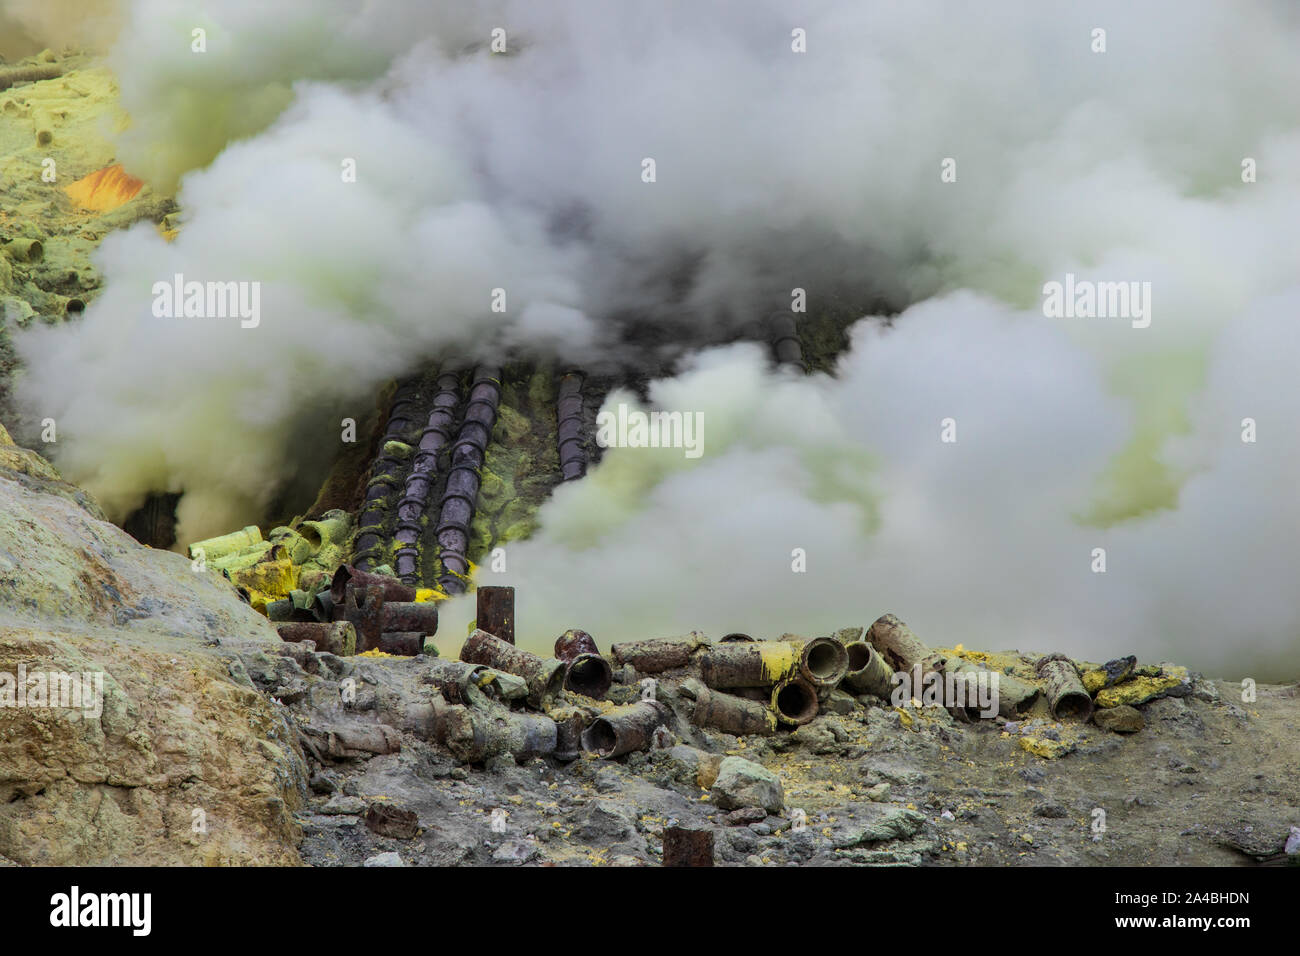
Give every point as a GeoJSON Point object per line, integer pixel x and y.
{"type": "Point", "coordinates": [729, 713]}
{"type": "Point", "coordinates": [655, 656]}
{"type": "Point", "coordinates": [586, 672]}
{"type": "Point", "coordinates": [402, 643]}
{"type": "Point", "coordinates": [473, 734]}
{"type": "Point", "coordinates": [1066, 695]}
{"type": "Point", "coordinates": [545, 677]}
{"type": "Point", "coordinates": [625, 729]}
{"type": "Point", "coordinates": [394, 589]}
{"type": "Point", "coordinates": [868, 672]}
{"type": "Point", "coordinates": [757, 664]}
{"type": "Point", "coordinates": [1014, 696]}
{"type": "Point", "coordinates": [901, 649]}
{"type": "Point", "coordinates": [227, 544]}
{"type": "Point", "coordinates": [823, 662]}
{"type": "Point", "coordinates": [794, 701]}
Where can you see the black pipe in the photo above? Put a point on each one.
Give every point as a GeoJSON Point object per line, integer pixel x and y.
{"type": "Point", "coordinates": [573, 454]}
{"type": "Point", "coordinates": [369, 546]}
{"type": "Point", "coordinates": [420, 479]}
{"type": "Point", "coordinates": [785, 340]}
{"type": "Point", "coordinates": [461, 493]}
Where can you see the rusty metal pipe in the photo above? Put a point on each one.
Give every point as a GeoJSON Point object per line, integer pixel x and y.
{"type": "Point", "coordinates": [586, 672]}
{"type": "Point", "coordinates": [868, 673]}
{"type": "Point", "coordinates": [688, 846]}
{"type": "Point", "coordinates": [732, 714]}
{"type": "Point", "coordinates": [823, 662]}
{"type": "Point", "coordinates": [784, 333]}
{"type": "Point", "coordinates": [394, 589]}
{"type": "Point", "coordinates": [545, 677]}
{"type": "Point", "coordinates": [474, 734]}
{"type": "Point", "coordinates": [364, 607]}
{"type": "Point", "coordinates": [369, 546]}
{"type": "Point", "coordinates": [1066, 695]}
{"type": "Point", "coordinates": [402, 643]}
{"type": "Point", "coordinates": [757, 664]}
{"type": "Point", "coordinates": [794, 701]}
{"type": "Point", "coordinates": [419, 481]}
{"type": "Point", "coordinates": [495, 611]}
{"type": "Point", "coordinates": [410, 616]}
{"type": "Point", "coordinates": [653, 657]}
{"type": "Point", "coordinates": [625, 729]}
{"type": "Point", "coordinates": [463, 683]}
{"type": "Point", "coordinates": [901, 649]}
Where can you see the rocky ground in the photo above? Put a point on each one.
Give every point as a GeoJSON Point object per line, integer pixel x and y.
{"type": "Point", "coordinates": [1207, 780]}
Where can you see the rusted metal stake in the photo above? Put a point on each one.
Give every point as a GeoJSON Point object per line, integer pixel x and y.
{"type": "Point", "coordinates": [688, 846]}
{"type": "Point", "coordinates": [496, 612]}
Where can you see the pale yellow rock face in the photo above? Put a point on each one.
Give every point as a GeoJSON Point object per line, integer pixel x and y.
{"type": "Point", "coordinates": [184, 764]}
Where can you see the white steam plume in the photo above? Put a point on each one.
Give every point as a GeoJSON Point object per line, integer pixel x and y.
{"type": "Point", "coordinates": [774, 169]}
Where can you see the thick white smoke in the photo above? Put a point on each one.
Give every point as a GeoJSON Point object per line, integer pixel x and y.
{"type": "Point", "coordinates": [774, 169]}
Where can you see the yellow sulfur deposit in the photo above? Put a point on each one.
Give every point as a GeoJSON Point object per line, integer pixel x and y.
{"type": "Point", "coordinates": [1045, 747]}
{"type": "Point", "coordinates": [780, 658]}
{"type": "Point", "coordinates": [1139, 690]}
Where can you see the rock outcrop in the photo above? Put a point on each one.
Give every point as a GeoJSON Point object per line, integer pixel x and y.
{"type": "Point", "coordinates": [178, 759]}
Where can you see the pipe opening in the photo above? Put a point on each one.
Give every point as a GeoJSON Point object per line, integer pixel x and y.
{"type": "Point", "coordinates": [825, 660]}
{"type": "Point", "coordinates": [1073, 707]}
{"type": "Point", "coordinates": [795, 702]}
{"type": "Point", "coordinates": [590, 676]}
{"type": "Point", "coordinates": [600, 738]}
{"type": "Point", "coordinates": [859, 655]}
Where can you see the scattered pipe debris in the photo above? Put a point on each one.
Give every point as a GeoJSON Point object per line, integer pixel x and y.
{"type": "Point", "coordinates": [28, 74]}
{"type": "Point", "coordinates": [394, 589]}
{"type": "Point", "coordinates": [475, 733]}
{"type": "Point", "coordinates": [757, 664]}
{"type": "Point", "coordinates": [545, 677]}
{"type": "Point", "coordinates": [823, 662]}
